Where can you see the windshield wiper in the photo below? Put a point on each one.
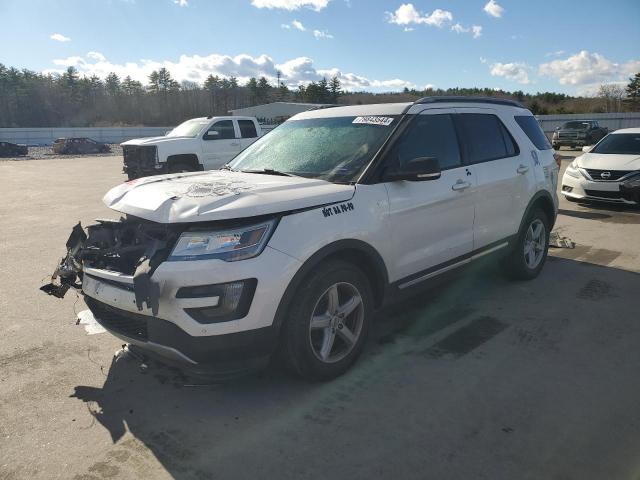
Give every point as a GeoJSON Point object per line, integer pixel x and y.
{"type": "Point", "coordinates": [268, 171]}
{"type": "Point", "coordinates": [227, 167]}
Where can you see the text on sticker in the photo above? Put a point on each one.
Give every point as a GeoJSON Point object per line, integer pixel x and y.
{"type": "Point", "coordinates": [383, 121]}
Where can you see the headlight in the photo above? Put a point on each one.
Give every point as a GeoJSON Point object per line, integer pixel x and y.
{"type": "Point", "coordinates": [572, 169]}
{"type": "Point", "coordinates": [229, 245]}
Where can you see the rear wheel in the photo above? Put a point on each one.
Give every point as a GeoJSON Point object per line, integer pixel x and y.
{"type": "Point", "coordinates": [328, 321]}
{"type": "Point", "coordinates": [530, 252]}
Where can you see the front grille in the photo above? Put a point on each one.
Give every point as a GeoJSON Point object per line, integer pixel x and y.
{"type": "Point", "coordinates": [127, 324]}
{"type": "Point", "coordinates": [604, 194]}
{"type": "Point", "coordinates": [140, 157]}
{"type": "Point", "coordinates": [597, 176]}
{"type": "Point", "coordinates": [568, 135]}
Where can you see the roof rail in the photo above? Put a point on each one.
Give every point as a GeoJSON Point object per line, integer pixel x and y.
{"type": "Point", "coordinates": [467, 99]}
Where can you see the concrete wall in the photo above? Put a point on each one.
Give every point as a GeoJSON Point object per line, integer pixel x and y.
{"type": "Point", "coordinates": [46, 136]}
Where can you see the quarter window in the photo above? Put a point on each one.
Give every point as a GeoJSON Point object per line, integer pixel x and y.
{"type": "Point", "coordinates": [486, 138]}
{"type": "Point", "coordinates": [531, 128]}
{"type": "Point", "coordinates": [225, 130]}
{"type": "Point", "coordinates": [247, 129]}
{"type": "Point", "coordinates": [429, 136]}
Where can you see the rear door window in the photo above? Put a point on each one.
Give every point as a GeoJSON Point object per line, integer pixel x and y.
{"type": "Point", "coordinates": [247, 129]}
{"type": "Point", "coordinates": [485, 138]}
{"type": "Point", "coordinates": [531, 128]}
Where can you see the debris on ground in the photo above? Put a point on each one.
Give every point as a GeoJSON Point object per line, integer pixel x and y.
{"type": "Point", "coordinates": [558, 241]}
{"type": "Point", "coordinates": [89, 322]}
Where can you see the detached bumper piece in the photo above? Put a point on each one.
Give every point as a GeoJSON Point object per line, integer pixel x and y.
{"type": "Point", "coordinates": [131, 246]}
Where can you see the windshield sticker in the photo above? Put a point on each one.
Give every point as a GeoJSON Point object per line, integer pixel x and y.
{"type": "Point", "coordinates": [382, 121]}
{"type": "Point", "coordinates": [337, 209]}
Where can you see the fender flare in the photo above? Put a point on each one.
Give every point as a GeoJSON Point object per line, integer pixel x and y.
{"type": "Point", "coordinates": [374, 266]}
{"type": "Point", "coordinates": [542, 196]}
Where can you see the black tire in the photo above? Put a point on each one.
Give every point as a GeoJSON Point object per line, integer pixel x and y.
{"type": "Point", "coordinates": [516, 264]}
{"type": "Point", "coordinates": [298, 349]}
{"type": "Point", "coordinates": [180, 167]}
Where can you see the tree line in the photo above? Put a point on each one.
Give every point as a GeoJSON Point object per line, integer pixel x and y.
{"type": "Point", "coordinates": [32, 99]}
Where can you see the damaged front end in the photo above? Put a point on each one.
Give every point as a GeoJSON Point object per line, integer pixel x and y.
{"type": "Point", "coordinates": [130, 246]}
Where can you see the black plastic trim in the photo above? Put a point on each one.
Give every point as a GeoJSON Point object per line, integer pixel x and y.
{"type": "Point", "coordinates": [463, 99]}
{"type": "Point", "coordinates": [246, 298]}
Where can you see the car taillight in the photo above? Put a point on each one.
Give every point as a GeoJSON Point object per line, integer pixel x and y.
{"type": "Point", "coordinates": [558, 158]}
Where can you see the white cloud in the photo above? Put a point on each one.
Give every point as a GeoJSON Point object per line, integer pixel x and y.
{"type": "Point", "coordinates": [321, 34]}
{"type": "Point", "coordinates": [316, 5]}
{"type": "Point", "coordinates": [515, 71]}
{"type": "Point", "coordinates": [196, 68]}
{"type": "Point", "coordinates": [298, 25]}
{"type": "Point", "coordinates": [182, 3]}
{"type": "Point", "coordinates": [475, 30]}
{"type": "Point", "coordinates": [429, 86]}
{"type": "Point", "coordinates": [58, 37]}
{"type": "Point", "coordinates": [483, 60]}
{"type": "Point", "coordinates": [407, 14]}
{"type": "Point", "coordinates": [494, 9]}
{"type": "Point", "coordinates": [585, 68]}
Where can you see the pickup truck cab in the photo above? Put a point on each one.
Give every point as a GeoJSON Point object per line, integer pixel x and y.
{"type": "Point", "coordinates": [295, 243]}
{"type": "Point", "coordinates": [205, 143]}
{"type": "Point", "coordinates": [578, 133]}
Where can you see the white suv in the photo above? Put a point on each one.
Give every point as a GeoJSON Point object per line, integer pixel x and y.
{"type": "Point", "coordinates": [313, 227]}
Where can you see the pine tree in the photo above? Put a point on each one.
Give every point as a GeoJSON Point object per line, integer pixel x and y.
{"type": "Point", "coordinates": [633, 89]}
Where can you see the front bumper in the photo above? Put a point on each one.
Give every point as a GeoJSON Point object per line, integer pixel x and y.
{"type": "Point", "coordinates": [173, 333]}
{"type": "Point", "coordinates": [583, 189]}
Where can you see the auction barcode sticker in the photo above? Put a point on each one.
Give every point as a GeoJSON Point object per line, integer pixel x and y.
{"type": "Point", "coordinates": [383, 121]}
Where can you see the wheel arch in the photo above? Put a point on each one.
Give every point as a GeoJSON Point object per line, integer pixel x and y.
{"type": "Point", "coordinates": [543, 200]}
{"type": "Point", "coordinates": [356, 252]}
{"type": "Point", "coordinates": [190, 159]}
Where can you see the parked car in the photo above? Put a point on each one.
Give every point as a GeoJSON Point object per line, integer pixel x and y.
{"type": "Point", "coordinates": [197, 144]}
{"type": "Point", "coordinates": [68, 146]}
{"type": "Point", "coordinates": [8, 149]}
{"type": "Point", "coordinates": [578, 133]}
{"type": "Point", "coordinates": [305, 233]}
{"type": "Point", "coordinates": [600, 172]}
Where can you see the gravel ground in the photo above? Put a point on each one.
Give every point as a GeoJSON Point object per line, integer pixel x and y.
{"type": "Point", "coordinates": [40, 153]}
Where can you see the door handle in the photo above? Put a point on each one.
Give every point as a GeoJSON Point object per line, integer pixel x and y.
{"type": "Point", "coordinates": [460, 185]}
{"type": "Point", "coordinates": [522, 169]}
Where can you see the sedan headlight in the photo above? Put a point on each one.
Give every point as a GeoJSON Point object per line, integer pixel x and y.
{"type": "Point", "coordinates": [229, 245]}
{"type": "Point", "coordinates": [572, 169]}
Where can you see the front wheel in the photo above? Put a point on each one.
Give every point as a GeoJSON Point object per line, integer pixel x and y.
{"type": "Point", "coordinates": [530, 252]}
{"type": "Point", "coordinates": [328, 321]}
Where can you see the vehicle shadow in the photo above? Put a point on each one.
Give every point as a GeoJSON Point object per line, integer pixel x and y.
{"type": "Point", "coordinates": [272, 425]}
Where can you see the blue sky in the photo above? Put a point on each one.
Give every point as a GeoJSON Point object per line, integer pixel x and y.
{"type": "Point", "coordinates": [378, 45]}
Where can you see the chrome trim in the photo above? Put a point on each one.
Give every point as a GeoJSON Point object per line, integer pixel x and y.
{"type": "Point", "coordinates": [451, 267]}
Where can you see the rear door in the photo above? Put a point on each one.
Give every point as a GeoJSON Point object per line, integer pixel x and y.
{"type": "Point", "coordinates": [431, 221]}
{"type": "Point", "coordinates": [248, 133]}
{"type": "Point", "coordinates": [503, 174]}
{"type": "Point", "coordinates": [219, 144]}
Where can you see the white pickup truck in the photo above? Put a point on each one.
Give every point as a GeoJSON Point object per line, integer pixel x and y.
{"type": "Point", "coordinates": [205, 143]}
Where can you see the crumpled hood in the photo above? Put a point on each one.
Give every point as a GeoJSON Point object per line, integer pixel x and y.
{"type": "Point", "coordinates": [220, 195]}
{"type": "Point", "coordinates": [601, 161]}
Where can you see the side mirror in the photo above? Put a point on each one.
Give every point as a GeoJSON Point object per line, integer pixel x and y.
{"type": "Point", "coordinates": [587, 148]}
{"type": "Point", "coordinates": [211, 134]}
{"type": "Point", "coordinates": [416, 170]}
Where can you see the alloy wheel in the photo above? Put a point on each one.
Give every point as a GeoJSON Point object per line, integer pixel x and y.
{"type": "Point", "coordinates": [534, 243]}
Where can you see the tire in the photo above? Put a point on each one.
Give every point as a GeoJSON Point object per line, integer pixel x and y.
{"type": "Point", "coordinates": [327, 295]}
{"type": "Point", "coordinates": [180, 167]}
{"type": "Point", "coordinates": [526, 265]}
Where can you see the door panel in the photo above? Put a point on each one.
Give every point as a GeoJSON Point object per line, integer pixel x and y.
{"type": "Point", "coordinates": [431, 221]}
{"type": "Point", "coordinates": [220, 149]}
{"type": "Point", "coordinates": [502, 183]}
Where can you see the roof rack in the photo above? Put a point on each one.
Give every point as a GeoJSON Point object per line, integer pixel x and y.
{"type": "Point", "coordinates": [466, 99]}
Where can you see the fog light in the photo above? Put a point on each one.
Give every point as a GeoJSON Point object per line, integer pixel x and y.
{"type": "Point", "coordinates": [566, 188]}
{"type": "Point", "coordinates": [232, 300]}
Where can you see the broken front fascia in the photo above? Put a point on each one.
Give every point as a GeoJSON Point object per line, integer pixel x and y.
{"type": "Point", "coordinates": [131, 246]}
